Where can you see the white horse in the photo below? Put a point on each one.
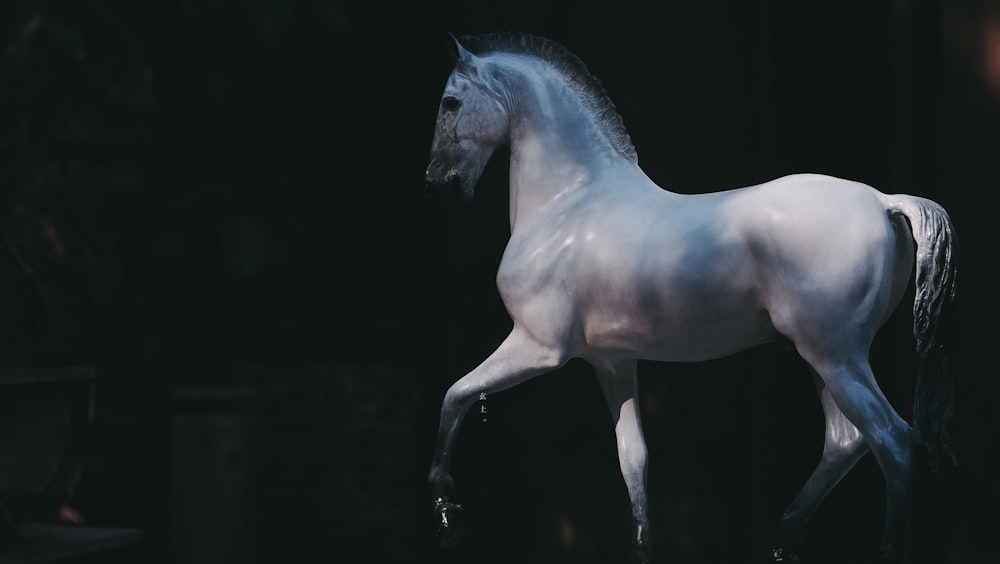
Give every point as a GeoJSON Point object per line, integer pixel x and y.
{"type": "Point", "coordinates": [604, 265]}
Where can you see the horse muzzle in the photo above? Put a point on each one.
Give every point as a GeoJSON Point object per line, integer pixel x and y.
{"type": "Point", "coordinates": [442, 186]}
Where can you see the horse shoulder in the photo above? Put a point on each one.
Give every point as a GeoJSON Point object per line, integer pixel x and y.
{"type": "Point", "coordinates": [535, 283]}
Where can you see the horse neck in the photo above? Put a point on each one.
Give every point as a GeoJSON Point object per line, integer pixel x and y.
{"type": "Point", "coordinates": [556, 145]}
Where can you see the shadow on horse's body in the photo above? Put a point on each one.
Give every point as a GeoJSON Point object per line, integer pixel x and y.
{"type": "Point", "coordinates": [604, 265]}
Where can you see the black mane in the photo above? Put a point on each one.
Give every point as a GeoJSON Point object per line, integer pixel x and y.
{"type": "Point", "coordinates": [570, 67]}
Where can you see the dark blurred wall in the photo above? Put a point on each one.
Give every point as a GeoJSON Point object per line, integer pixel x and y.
{"type": "Point", "coordinates": [218, 204]}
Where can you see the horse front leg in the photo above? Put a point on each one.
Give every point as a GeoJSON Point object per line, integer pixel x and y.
{"type": "Point", "coordinates": [520, 357]}
{"type": "Point", "coordinates": [620, 385]}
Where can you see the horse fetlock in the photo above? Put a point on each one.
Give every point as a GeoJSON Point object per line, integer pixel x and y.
{"type": "Point", "coordinates": [441, 483]}
{"type": "Point", "coordinates": [640, 553]}
{"type": "Point", "coordinates": [642, 539]}
{"type": "Point", "coordinates": [791, 529]}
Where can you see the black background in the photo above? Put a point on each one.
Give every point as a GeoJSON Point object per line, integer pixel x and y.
{"type": "Point", "coordinates": [221, 205]}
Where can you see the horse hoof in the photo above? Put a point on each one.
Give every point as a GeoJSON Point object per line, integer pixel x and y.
{"type": "Point", "coordinates": [638, 555]}
{"type": "Point", "coordinates": [890, 559]}
{"type": "Point", "coordinates": [448, 521]}
{"type": "Point", "coordinates": [783, 555]}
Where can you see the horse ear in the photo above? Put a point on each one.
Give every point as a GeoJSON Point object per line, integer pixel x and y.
{"type": "Point", "coordinates": [463, 58]}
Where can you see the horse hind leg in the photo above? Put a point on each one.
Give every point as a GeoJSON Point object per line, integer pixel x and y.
{"type": "Point", "coordinates": [843, 447]}
{"type": "Point", "coordinates": [620, 385]}
{"type": "Point", "coordinates": [852, 387]}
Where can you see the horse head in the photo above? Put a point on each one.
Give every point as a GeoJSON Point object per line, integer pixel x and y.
{"type": "Point", "coordinates": [472, 121]}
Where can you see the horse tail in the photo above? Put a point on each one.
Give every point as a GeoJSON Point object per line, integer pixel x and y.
{"type": "Point", "coordinates": [933, 319]}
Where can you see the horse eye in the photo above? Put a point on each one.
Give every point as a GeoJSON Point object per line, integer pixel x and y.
{"type": "Point", "coordinates": [451, 103]}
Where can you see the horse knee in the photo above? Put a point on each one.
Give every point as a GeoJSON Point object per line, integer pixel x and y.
{"type": "Point", "coordinates": [462, 394]}
{"type": "Point", "coordinates": [458, 393]}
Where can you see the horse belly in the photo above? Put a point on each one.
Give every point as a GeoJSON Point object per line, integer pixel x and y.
{"type": "Point", "coordinates": [678, 323]}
